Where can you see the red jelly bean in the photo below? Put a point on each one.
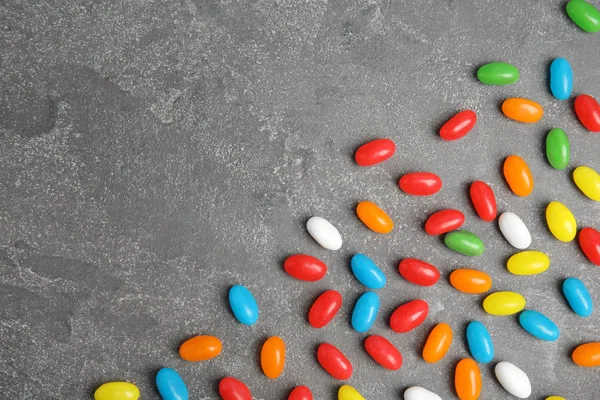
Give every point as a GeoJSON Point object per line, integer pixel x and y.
{"type": "Point", "coordinates": [374, 152]}
{"type": "Point", "coordinates": [588, 112]}
{"type": "Point", "coordinates": [483, 200]}
{"type": "Point", "coordinates": [420, 183]}
{"type": "Point", "coordinates": [305, 268]}
{"type": "Point", "coordinates": [232, 389]}
{"type": "Point", "coordinates": [444, 221]}
{"type": "Point", "coordinates": [324, 308]}
{"type": "Point", "coordinates": [418, 272]}
{"type": "Point", "coordinates": [589, 240]}
{"type": "Point", "coordinates": [459, 125]}
{"type": "Point", "coordinates": [334, 361]}
{"type": "Point", "coordinates": [383, 352]}
{"type": "Point", "coordinates": [408, 316]}
{"type": "Point", "coordinates": [300, 393]}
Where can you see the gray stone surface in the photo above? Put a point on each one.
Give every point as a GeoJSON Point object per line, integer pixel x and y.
{"type": "Point", "coordinates": [152, 154]}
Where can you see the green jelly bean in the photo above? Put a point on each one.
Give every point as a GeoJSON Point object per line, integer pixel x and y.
{"type": "Point", "coordinates": [464, 242]}
{"type": "Point", "coordinates": [558, 149]}
{"type": "Point", "coordinates": [498, 73]}
{"type": "Point", "coordinates": [584, 14]}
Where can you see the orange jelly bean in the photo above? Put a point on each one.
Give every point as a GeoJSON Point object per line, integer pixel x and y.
{"type": "Point", "coordinates": [518, 176]}
{"type": "Point", "coordinates": [587, 355]}
{"type": "Point", "coordinates": [467, 380]}
{"type": "Point", "coordinates": [522, 110]}
{"type": "Point", "coordinates": [470, 281]}
{"type": "Point", "coordinates": [374, 217]}
{"type": "Point", "coordinates": [200, 348]}
{"type": "Point", "coordinates": [272, 357]}
{"type": "Point", "coordinates": [437, 343]}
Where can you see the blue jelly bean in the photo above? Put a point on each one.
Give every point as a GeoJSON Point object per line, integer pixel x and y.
{"type": "Point", "coordinates": [480, 342]}
{"type": "Point", "coordinates": [170, 385]}
{"type": "Point", "coordinates": [538, 325]}
{"type": "Point", "coordinates": [365, 311]}
{"type": "Point", "coordinates": [367, 273]}
{"type": "Point", "coordinates": [243, 305]}
{"type": "Point", "coordinates": [578, 297]}
{"type": "Point", "coordinates": [561, 78]}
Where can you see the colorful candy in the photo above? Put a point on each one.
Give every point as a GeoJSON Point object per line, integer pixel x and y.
{"type": "Point", "coordinates": [498, 73]}
{"type": "Point", "coordinates": [117, 391]}
{"type": "Point", "coordinates": [522, 110]}
{"type": "Point", "coordinates": [304, 267]}
{"type": "Point", "coordinates": [200, 348]}
{"type": "Point", "coordinates": [480, 342]}
{"type": "Point", "coordinates": [588, 181]}
{"type": "Point", "coordinates": [334, 361]}
{"type": "Point", "coordinates": [374, 217]}
{"type": "Point", "coordinates": [503, 303]}
{"type": "Point", "coordinates": [374, 152]}
{"type": "Point", "coordinates": [300, 393]}
{"type": "Point", "coordinates": [558, 149]}
{"type": "Point", "coordinates": [438, 343]}
{"type": "Point", "coordinates": [383, 352]}
{"type": "Point", "coordinates": [324, 308]}
{"type": "Point", "coordinates": [347, 392]}
{"type": "Point", "coordinates": [420, 183]}
{"type": "Point", "coordinates": [589, 241]}
{"type": "Point", "coordinates": [467, 380]}
{"type": "Point", "coordinates": [470, 281]}
{"type": "Point", "coordinates": [464, 242]}
{"type": "Point", "coordinates": [419, 393]}
{"type": "Point", "coordinates": [584, 14]}
{"type": "Point", "coordinates": [459, 125]}
{"type": "Point", "coordinates": [233, 389]}
{"type": "Point", "coordinates": [538, 325]}
{"type": "Point", "coordinates": [561, 221]}
{"type": "Point", "coordinates": [418, 272]}
{"type": "Point", "coordinates": [555, 398]}
{"type": "Point", "coordinates": [513, 379]}
{"type": "Point", "coordinates": [170, 385]}
{"type": "Point", "coordinates": [365, 312]}
{"type": "Point", "coordinates": [528, 263]}
{"type": "Point", "coordinates": [578, 297]}
{"type": "Point", "coordinates": [324, 233]}
{"type": "Point", "coordinates": [518, 176]}
{"type": "Point", "coordinates": [272, 357]}
{"type": "Point", "coordinates": [514, 230]}
{"type": "Point", "coordinates": [243, 305]}
{"type": "Point", "coordinates": [561, 78]}
{"type": "Point", "coordinates": [588, 112]}
{"type": "Point", "coordinates": [484, 201]}
{"type": "Point", "coordinates": [408, 316]}
{"type": "Point", "coordinates": [587, 355]}
{"type": "Point", "coordinates": [367, 272]}
{"type": "Point", "coordinates": [444, 221]}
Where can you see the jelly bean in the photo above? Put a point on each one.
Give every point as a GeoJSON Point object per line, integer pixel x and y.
{"type": "Point", "coordinates": [464, 242]}
{"type": "Point", "coordinates": [498, 73]}
{"type": "Point", "coordinates": [438, 343]}
{"type": "Point", "coordinates": [589, 241]}
{"type": "Point", "coordinates": [459, 125]}
{"type": "Point", "coordinates": [374, 152]}
{"type": "Point", "coordinates": [365, 311]}
{"type": "Point", "coordinates": [518, 176]}
{"type": "Point", "coordinates": [513, 379]}
{"type": "Point", "coordinates": [522, 110]}
{"type": "Point", "coordinates": [347, 392]}
{"type": "Point", "coordinates": [170, 385]}
{"type": "Point", "coordinates": [528, 263]}
{"type": "Point", "coordinates": [300, 393]}
{"type": "Point", "coordinates": [587, 355]}
{"type": "Point", "coordinates": [444, 221]}
{"type": "Point", "coordinates": [272, 357]}
{"type": "Point", "coordinates": [200, 348]}
{"type": "Point", "coordinates": [383, 352]}
{"type": "Point", "coordinates": [324, 233]}
{"type": "Point", "coordinates": [232, 389]}
{"type": "Point", "coordinates": [558, 149]}
{"type": "Point", "coordinates": [367, 272]}
{"type": "Point", "coordinates": [514, 230]}
{"type": "Point", "coordinates": [480, 342]}
{"type": "Point", "coordinates": [334, 361]}
{"type": "Point", "coordinates": [538, 325]}
{"type": "Point", "coordinates": [374, 217]}
{"type": "Point", "coordinates": [419, 393]}
{"type": "Point", "coordinates": [584, 15]}
{"type": "Point", "coordinates": [503, 303]}
{"type": "Point", "coordinates": [483, 200]}
{"type": "Point", "coordinates": [117, 391]}
{"type": "Point", "coordinates": [408, 316]}
{"type": "Point", "coordinates": [420, 183]}
{"type": "Point", "coordinates": [561, 78]}
{"type": "Point", "coordinates": [588, 181]}
{"type": "Point", "coordinates": [555, 398]}
{"type": "Point", "coordinates": [467, 380]}
{"type": "Point", "coordinates": [470, 281]}
{"type": "Point", "coordinates": [561, 221]}
{"type": "Point", "coordinates": [243, 305]}
{"type": "Point", "coordinates": [305, 268]}
{"type": "Point", "coordinates": [588, 112]}
{"type": "Point", "coordinates": [578, 297]}
{"type": "Point", "coordinates": [418, 272]}
{"type": "Point", "coordinates": [324, 308]}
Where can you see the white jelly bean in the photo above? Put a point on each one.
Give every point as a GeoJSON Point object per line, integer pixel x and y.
{"type": "Point", "coordinates": [419, 393]}
{"type": "Point", "coordinates": [514, 230]}
{"type": "Point", "coordinates": [324, 233]}
{"type": "Point", "coordinates": [513, 379]}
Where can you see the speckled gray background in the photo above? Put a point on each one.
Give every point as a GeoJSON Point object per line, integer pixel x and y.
{"type": "Point", "coordinates": [154, 153]}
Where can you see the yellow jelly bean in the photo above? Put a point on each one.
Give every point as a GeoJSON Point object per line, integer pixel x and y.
{"type": "Point", "coordinates": [588, 181]}
{"type": "Point", "coordinates": [561, 221]}
{"type": "Point", "coordinates": [503, 303]}
{"type": "Point", "coordinates": [528, 263]}
{"type": "Point", "coordinates": [555, 398]}
{"type": "Point", "coordinates": [347, 392]}
{"type": "Point", "coordinates": [117, 391]}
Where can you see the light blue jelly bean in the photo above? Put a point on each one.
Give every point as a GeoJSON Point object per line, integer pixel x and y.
{"type": "Point", "coordinates": [561, 78]}
{"type": "Point", "coordinates": [367, 273]}
{"type": "Point", "coordinates": [578, 297]}
{"type": "Point", "coordinates": [170, 385]}
{"type": "Point", "coordinates": [365, 311]}
{"type": "Point", "coordinates": [480, 342]}
{"type": "Point", "coordinates": [538, 325]}
{"type": "Point", "coordinates": [243, 305]}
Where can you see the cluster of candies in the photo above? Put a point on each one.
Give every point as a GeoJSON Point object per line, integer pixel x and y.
{"type": "Point", "coordinates": [408, 316]}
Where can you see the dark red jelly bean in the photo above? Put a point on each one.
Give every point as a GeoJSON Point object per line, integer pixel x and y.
{"type": "Point", "coordinates": [383, 352]}
{"type": "Point", "coordinates": [589, 240]}
{"type": "Point", "coordinates": [420, 183]}
{"type": "Point", "coordinates": [588, 112]}
{"type": "Point", "coordinates": [305, 268]}
{"type": "Point", "coordinates": [408, 316]}
{"type": "Point", "coordinates": [459, 125]}
{"type": "Point", "coordinates": [324, 308]}
{"type": "Point", "coordinates": [232, 389]}
{"type": "Point", "coordinates": [444, 221]}
{"type": "Point", "coordinates": [418, 272]}
{"type": "Point", "coordinates": [374, 152]}
{"type": "Point", "coordinates": [300, 393]}
{"type": "Point", "coordinates": [483, 200]}
{"type": "Point", "coordinates": [334, 361]}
